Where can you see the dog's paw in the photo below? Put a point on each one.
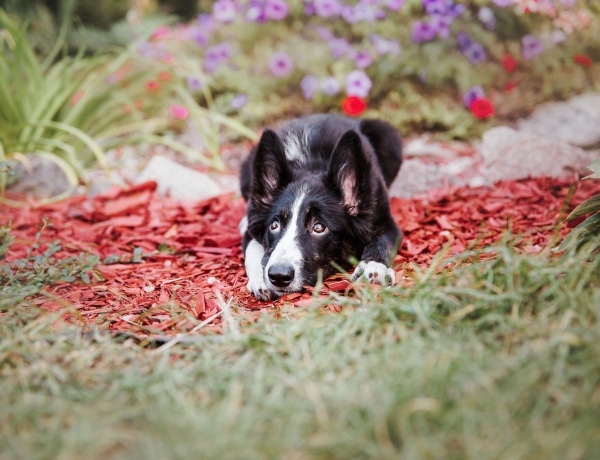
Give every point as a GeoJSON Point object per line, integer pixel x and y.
{"type": "Point", "coordinates": [375, 273]}
{"type": "Point", "coordinates": [258, 288]}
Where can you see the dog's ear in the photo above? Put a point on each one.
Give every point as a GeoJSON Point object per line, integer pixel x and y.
{"type": "Point", "coordinates": [270, 170]}
{"type": "Point", "coordinates": [348, 170]}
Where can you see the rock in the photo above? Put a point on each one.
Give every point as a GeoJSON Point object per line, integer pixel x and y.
{"type": "Point", "coordinates": [178, 181]}
{"type": "Point", "coordinates": [42, 178]}
{"type": "Point", "coordinates": [509, 154]}
{"type": "Point", "coordinates": [576, 121]}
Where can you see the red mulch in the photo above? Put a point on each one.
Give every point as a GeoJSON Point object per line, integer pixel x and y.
{"type": "Point", "coordinates": [193, 260]}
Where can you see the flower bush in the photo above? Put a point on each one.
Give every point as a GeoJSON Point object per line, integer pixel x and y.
{"type": "Point", "coordinates": [420, 56]}
{"type": "Point", "coordinates": [72, 110]}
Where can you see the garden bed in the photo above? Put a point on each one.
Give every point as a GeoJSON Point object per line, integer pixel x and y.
{"type": "Point", "coordinates": [168, 267]}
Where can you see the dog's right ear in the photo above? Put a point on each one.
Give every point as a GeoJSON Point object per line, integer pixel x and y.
{"type": "Point", "coordinates": [270, 170]}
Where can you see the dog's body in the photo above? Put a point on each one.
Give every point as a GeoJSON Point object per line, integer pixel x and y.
{"type": "Point", "coordinates": [317, 197]}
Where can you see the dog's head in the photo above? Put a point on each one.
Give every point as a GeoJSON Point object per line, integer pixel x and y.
{"type": "Point", "coordinates": [308, 219]}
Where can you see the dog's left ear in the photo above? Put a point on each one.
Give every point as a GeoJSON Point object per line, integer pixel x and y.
{"type": "Point", "coordinates": [270, 171]}
{"type": "Point", "coordinates": [348, 170]}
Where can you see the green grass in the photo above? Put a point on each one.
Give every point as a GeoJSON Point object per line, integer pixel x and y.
{"type": "Point", "coordinates": [479, 359]}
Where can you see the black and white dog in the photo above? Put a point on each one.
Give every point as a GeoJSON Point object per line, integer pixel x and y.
{"type": "Point", "coordinates": [316, 194]}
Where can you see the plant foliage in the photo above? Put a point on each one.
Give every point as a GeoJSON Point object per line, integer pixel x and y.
{"type": "Point", "coordinates": [70, 110]}
{"type": "Point", "coordinates": [589, 229]}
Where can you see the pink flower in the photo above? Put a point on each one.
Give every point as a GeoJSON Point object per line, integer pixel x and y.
{"type": "Point", "coordinates": [161, 33]}
{"type": "Point", "coordinates": [179, 111]}
{"type": "Point", "coordinates": [76, 97]}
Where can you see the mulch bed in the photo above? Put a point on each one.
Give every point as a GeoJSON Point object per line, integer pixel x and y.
{"type": "Point", "coordinates": [190, 263]}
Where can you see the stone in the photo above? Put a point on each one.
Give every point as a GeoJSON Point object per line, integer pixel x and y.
{"type": "Point", "coordinates": [576, 121]}
{"type": "Point", "coordinates": [178, 181]}
{"type": "Point", "coordinates": [39, 178]}
{"type": "Point", "coordinates": [509, 154]}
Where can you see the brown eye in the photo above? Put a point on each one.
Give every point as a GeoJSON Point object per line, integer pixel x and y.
{"type": "Point", "coordinates": [319, 228]}
{"type": "Point", "coordinates": [274, 225]}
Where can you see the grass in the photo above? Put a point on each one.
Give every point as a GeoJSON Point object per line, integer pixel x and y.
{"type": "Point", "coordinates": [483, 359]}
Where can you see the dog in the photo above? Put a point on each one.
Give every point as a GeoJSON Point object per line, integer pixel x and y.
{"type": "Point", "coordinates": [317, 200]}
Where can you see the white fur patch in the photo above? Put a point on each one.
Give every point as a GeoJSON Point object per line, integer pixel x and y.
{"type": "Point", "coordinates": [287, 250]}
{"type": "Point", "coordinates": [375, 273]}
{"type": "Point", "coordinates": [296, 147]}
{"type": "Point", "coordinates": [254, 270]}
{"type": "Point", "coordinates": [243, 226]}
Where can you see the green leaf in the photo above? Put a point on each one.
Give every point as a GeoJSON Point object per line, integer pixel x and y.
{"type": "Point", "coordinates": [594, 165]}
{"type": "Point", "coordinates": [590, 205]}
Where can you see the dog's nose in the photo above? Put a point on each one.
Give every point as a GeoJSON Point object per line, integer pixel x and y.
{"type": "Point", "coordinates": [281, 275]}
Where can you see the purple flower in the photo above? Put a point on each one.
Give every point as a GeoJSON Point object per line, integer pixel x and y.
{"type": "Point", "coordinates": [350, 14]}
{"type": "Point", "coordinates": [280, 64]}
{"type": "Point", "coordinates": [486, 15]}
{"type": "Point", "coordinates": [436, 6]}
{"type": "Point", "coordinates": [216, 55]}
{"type": "Point", "coordinates": [475, 92]}
{"type": "Point", "coordinates": [331, 86]}
{"type": "Point", "coordinates": [309, 86]}
{"type": "Point", "coordinates": [200, 35]}
{"type": "Point", "coordinates": [339, 47]}
{"type": "Point", "coordinates": [503, 3]}
{"type": "Point", "coordinates": [456, 10]}
{"type": "Point", "coordinates": [475, 53]}
{"type": "Point", "coordinates": [256, 11]}
{"type": "Point", "coordinates": [224, 10]}
{"type": "Point", "coordinates": [531, 47]}
{"type": "Point", "coordinates": [463, 40]}
{"type": "Point", "coordinates": [363, 59]}
{"type": "Point", "coordinates": [441, 25]}
{"type": "Point", "coordinates": [568, 3]}
{"type": "Point", "coordinates": [358, 84]}
{"type": "Point", "coordinates": [193, 83]}
{"type": "Point", "coordinates": [383, 46]}
{"type": "Point", "coordinates": [395, 5]}
{"type": "Point", "coordinates": [239, 101]}
{"type": "Point", "coordinates": [276, 10]}
{"type": "Point", "coordinates": [327, 8]}
{"type": "Point", "coordinates": [422, 32]}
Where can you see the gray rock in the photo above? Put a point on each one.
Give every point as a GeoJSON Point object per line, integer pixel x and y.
{"type": "Point", "coordinates": [42, 178]}
{"type": "Point", "coordinates": [510, 154]}
{"type": "Point", "coordinates": [178, 181]}
{"type": "Point", "coordinates": [576, 121]}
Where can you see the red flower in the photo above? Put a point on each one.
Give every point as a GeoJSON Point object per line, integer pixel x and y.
{"type": "Point", "coordinates": [353, 105]}
{"type": "Point", "coordinates": [583, 60]}
{"type": "Point", "coordinates": [482, 108]}
{"type": "Point", "coordinates": [509, 63]}
{"type": "Point", "coordinates": [164, 76]}
{"type": "Point", "coordinates": [152, 86]}
{"type": "Point", "coordinates": [510, 86]}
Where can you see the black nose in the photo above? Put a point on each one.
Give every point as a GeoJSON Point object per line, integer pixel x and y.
{"type": "Point", "coordinates": [281, 275]}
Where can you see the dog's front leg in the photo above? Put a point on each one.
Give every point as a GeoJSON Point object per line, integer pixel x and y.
{"type": "Point", "coordinates": [253, 256]}
{"type": "Point", "coordinates": [377, 257]}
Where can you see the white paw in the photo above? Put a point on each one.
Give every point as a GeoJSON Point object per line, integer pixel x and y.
{"type": "Point", "coordinates": [255, 271]}
{"type": "Point", "coordinates": [375, 273]}
{"type": "Point", "coordinates": [258, 288]}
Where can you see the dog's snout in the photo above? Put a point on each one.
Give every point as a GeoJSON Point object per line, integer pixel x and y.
{"type": "Point", "coordinates": [281, 275]}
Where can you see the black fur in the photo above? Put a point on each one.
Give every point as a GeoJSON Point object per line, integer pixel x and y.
{"type": "Point", "coordinates": [345, 169]}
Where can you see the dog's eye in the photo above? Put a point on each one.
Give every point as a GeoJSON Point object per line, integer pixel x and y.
{"type": "Point", "coordinates": [319, 228]}
{"type": "Point", "coordinates": [274, 225]}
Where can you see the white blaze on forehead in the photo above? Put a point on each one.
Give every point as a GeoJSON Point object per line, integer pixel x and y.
{"type": "Point", "coordinates": [296, 145]}
{"type": "Point", "coordinates": [287, 250]}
